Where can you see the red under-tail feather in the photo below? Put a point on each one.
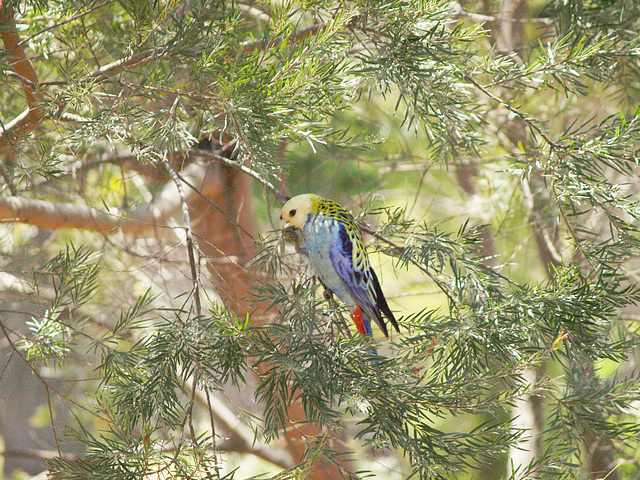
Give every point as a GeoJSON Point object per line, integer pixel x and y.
{"type": "Point", "coordinates": [356, 316]}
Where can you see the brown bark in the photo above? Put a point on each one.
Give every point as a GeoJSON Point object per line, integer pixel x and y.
{"type": "Point", "coordinates": [222, 211]}
{"type": "Point", "coordinates": [32, 116]}
{"type": "Point", "coordinates": [17, 58]}
{"type": "Point", "coordinates": [136, 220]}
{"type": "Point", "coordinates": [601, 462]}
{"type": "Point", "coordinates": [225, 224]}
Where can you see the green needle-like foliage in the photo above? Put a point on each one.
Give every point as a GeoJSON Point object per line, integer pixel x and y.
{"type": "Point", "coordinates": [489, 152]}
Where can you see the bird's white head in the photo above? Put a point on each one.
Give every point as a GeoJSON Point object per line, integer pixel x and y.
{"type": "Point", "coordinates": [297, 210]}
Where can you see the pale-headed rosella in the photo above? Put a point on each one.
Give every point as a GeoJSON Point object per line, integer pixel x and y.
{"type": "Point", "coordinates": [338, 255]}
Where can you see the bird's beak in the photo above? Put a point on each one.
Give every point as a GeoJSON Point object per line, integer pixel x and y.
{"type": "Point", "coordinates": [288, 231]}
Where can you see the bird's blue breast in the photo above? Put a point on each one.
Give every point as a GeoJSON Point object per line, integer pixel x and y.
{"type": "Point", "coordinates": [324, 236]}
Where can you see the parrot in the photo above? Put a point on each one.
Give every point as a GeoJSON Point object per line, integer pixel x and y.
{"type": "Point", "coordinates": [338, 256]}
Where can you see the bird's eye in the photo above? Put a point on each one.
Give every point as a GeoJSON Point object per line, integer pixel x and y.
{"type": "Point", "coordinates": [280, 216]}
{"type": "Point", "coordinates": [292, 212]}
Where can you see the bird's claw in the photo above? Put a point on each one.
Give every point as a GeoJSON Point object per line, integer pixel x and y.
{"type": "Point", "coordinates": [328, 294]}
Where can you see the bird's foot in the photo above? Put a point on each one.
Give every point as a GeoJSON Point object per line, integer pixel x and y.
{"type": "Point", "coordinates": [328, 294]}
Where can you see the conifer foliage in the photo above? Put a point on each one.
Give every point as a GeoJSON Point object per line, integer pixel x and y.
{"type": "Point", "coordinates": [488, 150]}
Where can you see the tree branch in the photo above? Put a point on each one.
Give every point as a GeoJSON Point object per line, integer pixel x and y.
{"type": "Point", "coordinates": [282, 198]}
{"type": "Point", "coordinates": [553, 145]}
{"type": "Point", "coordinates": [301, 35]}
{"type": "Point", "coordinates": [165, 205]}
{"type": "Point", "coordinates": [30, 118]}
{"type": "Point", "coordinates": [24, 123]}
{"type": "Point", "coordinates": [192, 247]}
{"type": "Point", "coordinates": [547, 251]}
{"type": "Point", "coordinates": [20, 126]}
{"type": "Point", "coordinates": [135, 60]}
{"type": "Point", "coordinates": [458, 10]}
{"type": "Point", "coordinates": [37, 454]}
{"type": "Point", "coordinates": [243, 438]}
{"type": "Point", "coordinates": [400, 249]}
{"type": "Point", "coordinates": [254, 12]}
{"type": "Point", "coordinates": [68, 215]}
{"type": "Point", "coordinates": [8, 179]}
{"type": "Point", "coordinates": [17, 58]}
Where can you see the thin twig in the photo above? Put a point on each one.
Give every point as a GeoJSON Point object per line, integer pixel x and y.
{"type": "Point", "coordinates": [22, 78]}
{"type": "Point", "coordinates": [458, 10]}
{"type": "Point", "coordinates": [213, 434]}
{"type": "Point", "coordinates": [252, 45]}
{"type": "Point", "coordinates": [6, 331]}
{"type": "Point", "coordinates": [546, 247]}
{"type": "Point", "coordinates": [194, 436]}
{"type": "Point", "coordinates": [7, 176]}
{"type": "Point", "coordinates": [135, 60]}
{"type": "Point", "coordinates": [400, 249]}
{"type": "Point", "coordinates": [553, 145]}
{"type": "Point", "coordinates": [51, 420]}
{"type": "Point", "coordinates": [213, 204]}
{"type": "Point", "coordinates": [63, 22]}
{"type": "Point", "coordinates": [192, 246]}
{"type": "Point", "coordinates": [282, 198]}
{"type": "Point", "coordinates": [240, 437]}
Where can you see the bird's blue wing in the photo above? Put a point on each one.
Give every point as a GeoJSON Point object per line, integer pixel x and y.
{"type": "Point", "coordinates": [357, 279]}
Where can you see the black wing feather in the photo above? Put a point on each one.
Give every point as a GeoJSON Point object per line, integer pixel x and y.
{"type": "Point", "coordinates": [381, 302]}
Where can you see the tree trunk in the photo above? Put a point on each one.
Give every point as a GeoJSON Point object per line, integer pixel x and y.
{"type": "Point", "coordinates": [225, 225]}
